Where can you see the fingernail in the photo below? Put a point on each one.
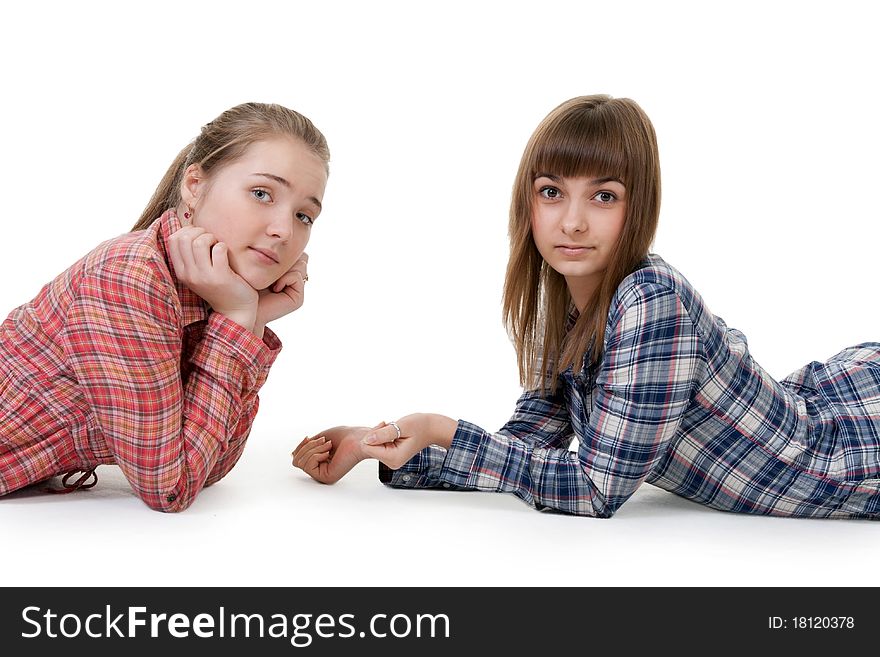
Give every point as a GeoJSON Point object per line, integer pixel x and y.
{"type": "Point", "coordinates": [369, 438]}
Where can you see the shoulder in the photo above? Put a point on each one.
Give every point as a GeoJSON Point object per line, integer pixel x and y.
{"type": "Point", "coordinates": [655, 271]}
{"type": "Point", "coordinates": [137, 252]}
{"type": "Point", "coordinates": [132, 270]}
{"type": "Point", "coordinates": [654, 290]}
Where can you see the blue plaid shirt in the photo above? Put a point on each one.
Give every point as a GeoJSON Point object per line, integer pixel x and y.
{"type": "Point", "coordinates": [678, 401]}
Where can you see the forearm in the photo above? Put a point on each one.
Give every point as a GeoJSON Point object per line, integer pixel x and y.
{"type": "Point", "coordinates": [235, 446]}
{"type": "Point", "coordinates": [461, 456]}
{"type": "Point", "coordinates": [544, 478]}
{"type": "Point", "coordinates": [439, 429]}
{"type": "Point", "coordinates": [540, 420]}
{"type": "Point", "coordinates": [200, 442]}
{"type": "Point", "coordinates": [220, 405]}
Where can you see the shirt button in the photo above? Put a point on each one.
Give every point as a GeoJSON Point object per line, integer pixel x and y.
{"type": "Point", "coordinates": [445, 485]}
{"type": "Point", "coordinates": [406, 478]}
{"type": "Point", "coordinates": [171, 497]}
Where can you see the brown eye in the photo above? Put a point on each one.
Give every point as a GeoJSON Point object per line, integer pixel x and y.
{"type": "Point", "coordinates": [549, 192]}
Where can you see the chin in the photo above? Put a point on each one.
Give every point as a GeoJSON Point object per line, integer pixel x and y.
{"type": "Point", "coordinates": [569, 269]}
{"type": "Point", "coordinates": [256, 281]}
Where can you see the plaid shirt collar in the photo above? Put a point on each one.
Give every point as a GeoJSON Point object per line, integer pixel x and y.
{"type": "Point", "coordinates": [193, 308]}
{"type": "Point", "coordinates": [572, 317]}
{"type": "Point", "coordinates": [582, 376]}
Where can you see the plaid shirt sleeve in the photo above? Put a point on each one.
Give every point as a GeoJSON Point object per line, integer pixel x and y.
{"type": "Point", "coordinates": [235, 447]}
{"type": "Point", "coordinates": [122, 342]}
{"type": "Point", "coordinates": [647, 378]}
{"type": "Point", "coordinates": [537, 420]}
{"type": "Point", "coordinates": [238, 437]}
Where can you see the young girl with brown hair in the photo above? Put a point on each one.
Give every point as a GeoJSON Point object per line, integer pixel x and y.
{"type": "Point", "coordinates": [148, 353]}
{"type": "Point", "coordinates": [619, 352]}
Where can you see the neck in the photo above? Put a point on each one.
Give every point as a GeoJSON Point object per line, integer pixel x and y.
{"type": "Point", "coordinates": [582, 289]}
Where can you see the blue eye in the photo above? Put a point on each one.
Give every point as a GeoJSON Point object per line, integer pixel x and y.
{"type": "Point", "coordinates": [548, 191]}
{"type": "Point", "coordinates": [306, 219]}
{"type": "Point", "coordinates": [262, 195]}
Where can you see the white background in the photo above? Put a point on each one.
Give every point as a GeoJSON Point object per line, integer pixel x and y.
{"type": "Point", "coordinates": [766, 114]}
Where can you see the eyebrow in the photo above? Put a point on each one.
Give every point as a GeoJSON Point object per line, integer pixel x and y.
{"type": "Point", "coordinates": [279, 179]}
{"type": "Point", "coordinates": [594, 181]}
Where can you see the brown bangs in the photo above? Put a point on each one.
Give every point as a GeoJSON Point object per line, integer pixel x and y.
{"type": "Point", "coordinates": [580, 144]}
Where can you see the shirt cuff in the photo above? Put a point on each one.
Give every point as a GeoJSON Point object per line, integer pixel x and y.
{"type": "Point", "coordinates": [233, 353]}
{"type": "Point", "coordinates": [435, 467]}
{"type": "Point", "coordinates": [421, 471]}
{"type": "Point", "coordinates": [461, 458]}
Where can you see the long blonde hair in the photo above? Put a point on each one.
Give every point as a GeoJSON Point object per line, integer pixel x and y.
{"type": "Point", "coordinates": [226, 138]}
{"type": "Point", "coordinates": [585, 136]}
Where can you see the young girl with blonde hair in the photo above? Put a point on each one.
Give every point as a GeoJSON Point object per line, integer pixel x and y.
{"type": "Point", "coordinates": [148, 353]}
{"type": "Point", "coordinates": [618, 351]}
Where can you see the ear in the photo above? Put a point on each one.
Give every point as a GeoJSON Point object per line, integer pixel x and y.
{"type": "Point", "coordinates": [192, 186]}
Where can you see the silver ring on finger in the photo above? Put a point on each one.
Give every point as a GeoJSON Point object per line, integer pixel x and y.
{"type": "Point", "coordinates": [394, 424]}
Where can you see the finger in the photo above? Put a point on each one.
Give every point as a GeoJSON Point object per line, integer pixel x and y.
{"type": "Point", "coordinates": [316, 460]}
{"type": "Point", "coordinates": [380, 452]}
{"type": "Point", "coordinates": [201, 252]}
{"type": "Point", "coordinates": [296, 456]}
{"type": "Point", "coordinates": [394, 455]}
{"type": "Point", "coordinates": [220, 258]}
{"type": "Point", "coordinates": [176, 258]}
{"type": "Point", "coordinates": [312, 447]}
{"type": "Point", "coordinates": [301, 267]}
{"type": "Point", "coordinates": [316, 446]}
{"type": "Point", "coordinates": [180, 246]}
{"type": "Point", "coordinates": [302, 443]}
{"type": "Point", "coordinates": [189, 249]}
{"type": "Point", "coordinates": [301, 263]}
{"type": "Point", "coordinates": [187, 233]}
{"type": "Point", "coordinates": [295, 292]}
{"type": "Point", "coordinates": [382, 435]}
{"type": "Point", "coordinates": [291, 278]}
{"type": "Point", "coordinates": [296, 288]}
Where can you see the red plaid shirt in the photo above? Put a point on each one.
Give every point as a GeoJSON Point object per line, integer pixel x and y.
{"type": "Point", "coordinates": [116, 362]}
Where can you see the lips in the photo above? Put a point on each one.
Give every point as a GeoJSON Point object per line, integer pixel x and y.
{"type": "Point", "coordinates": [266, 252]}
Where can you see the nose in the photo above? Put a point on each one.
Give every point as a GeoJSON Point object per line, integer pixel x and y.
{"type": "Point", "coordinates": [575, 219]}
{"type": "Point", "coordinates": [280, 226]}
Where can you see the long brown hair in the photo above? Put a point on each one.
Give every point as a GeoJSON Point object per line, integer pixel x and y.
{"type": "Point", "coordinates": [585, 136]}
{"type": "Point", "coordinates": [226, 138]}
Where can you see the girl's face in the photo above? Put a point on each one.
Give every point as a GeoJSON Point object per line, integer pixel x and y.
{"type": "Point", "coordinates": [261, 206]}
{"type": "Point", "coordinates": [575, 224]}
